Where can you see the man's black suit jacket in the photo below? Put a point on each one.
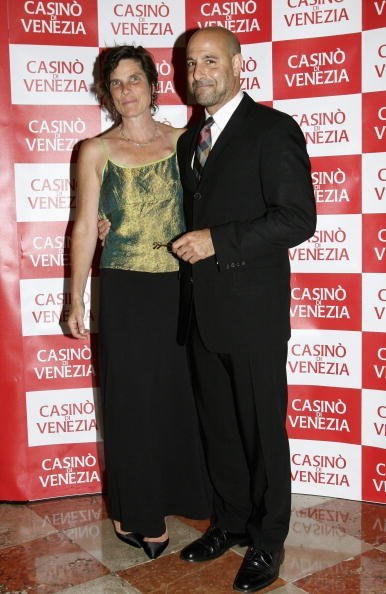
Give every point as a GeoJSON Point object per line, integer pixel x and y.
{"type": "Point", "coordinates": [257, 198]}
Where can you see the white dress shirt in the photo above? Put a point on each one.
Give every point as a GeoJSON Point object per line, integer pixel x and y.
{"type": "Point", "coordinates": [223, 115]}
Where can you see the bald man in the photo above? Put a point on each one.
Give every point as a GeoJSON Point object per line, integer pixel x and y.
{"type": "Point", "coordinates": [248, 198]}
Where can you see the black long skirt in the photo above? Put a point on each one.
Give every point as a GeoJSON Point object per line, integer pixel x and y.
{"type": "Point", "coordinates": [154, 459]}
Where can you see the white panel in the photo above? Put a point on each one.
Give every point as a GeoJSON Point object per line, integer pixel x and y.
{"type": "Point", "coordinates": [62, 416]}
{"type": "Point", "coordinates": [325, 358]}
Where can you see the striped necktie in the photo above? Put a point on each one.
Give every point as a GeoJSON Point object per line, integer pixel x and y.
{"type": "Point", "coordinates": [204, 144]}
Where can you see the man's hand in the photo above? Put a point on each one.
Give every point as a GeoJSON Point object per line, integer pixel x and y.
{"type": "Point", "coordinates": [194, 246]}
{"type": "Point", "coordinates": [103, 229]}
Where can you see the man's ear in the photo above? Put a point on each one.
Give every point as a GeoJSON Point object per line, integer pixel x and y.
{"type": "Point", "coordinates": [237, 62]}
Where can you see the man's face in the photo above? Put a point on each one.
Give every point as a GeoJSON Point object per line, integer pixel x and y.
{"type": "Point", "coordinates": [213, 73]}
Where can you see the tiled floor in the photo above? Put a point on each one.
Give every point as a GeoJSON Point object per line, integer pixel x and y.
{"type": "Point", "coordinates": [67, 546]}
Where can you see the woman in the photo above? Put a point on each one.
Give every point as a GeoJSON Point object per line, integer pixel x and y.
{"type": "Point", "coordinates": [129, 174]}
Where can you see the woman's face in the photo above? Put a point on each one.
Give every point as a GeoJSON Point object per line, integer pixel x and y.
{"type": "Point", "coordinates": [129, 88]}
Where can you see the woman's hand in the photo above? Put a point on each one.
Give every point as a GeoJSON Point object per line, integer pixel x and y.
{"type": "Point", "coordinates": [103, 229]}
{"type": "Point", "coordinates": [76, 322]}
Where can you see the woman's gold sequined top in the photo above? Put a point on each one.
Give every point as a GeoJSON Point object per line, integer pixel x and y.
{"type": "Point", "coordinates": [144, 205]}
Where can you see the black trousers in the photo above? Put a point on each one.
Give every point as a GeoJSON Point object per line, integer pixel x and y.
{"type": "Point", "coordinates": [242, 403]}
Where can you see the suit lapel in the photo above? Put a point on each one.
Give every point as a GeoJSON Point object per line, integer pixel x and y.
{"type": "Point", "coordinates": [185, 149]}
{"type": "Point", "coordinates": [191, 148]}
{"type": "Point", "coordinates": [227, 135]}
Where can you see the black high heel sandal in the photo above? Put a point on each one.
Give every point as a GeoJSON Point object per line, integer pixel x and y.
{"type": "Point", "coordinates": [131, 538]}
{"type": "Point", "coordinates": [154, 549]}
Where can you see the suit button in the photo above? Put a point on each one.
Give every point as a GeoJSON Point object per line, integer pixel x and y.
{"type": "Point", "coordinates": [232, 265]}
{"type": "Point", "coordinates": [197, 196]}
{"type": "Point", "coordinates": [243, 263]}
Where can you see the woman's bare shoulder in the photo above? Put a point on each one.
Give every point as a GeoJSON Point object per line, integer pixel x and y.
{"type": "Point", "coordinates": [92, 154]}
{"type": "Point", "coordinates": [96, 146]}
{"type": "Point", "coordinates": [91, 146]}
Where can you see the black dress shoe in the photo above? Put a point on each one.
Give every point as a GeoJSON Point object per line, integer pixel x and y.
{"type": "Point", "coordinates": [212, 544]}
{"type": "Point", "coordinates": [131, 538]}
{"type": "Point", "coordinates": [154, 549]}
{"type": "Point", "coordinates": [258, 569]}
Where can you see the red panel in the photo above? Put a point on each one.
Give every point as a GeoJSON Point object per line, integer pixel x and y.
{"type": "Point", "coordinates": [374, 360]}
{"type": "Point", "coordinates": [170, 64]}
{"type": "Point", "coordinates": [374, 14]}
{"type": "Point", "coordinates": [60, 470]}
{"type": "Point", "coordinates": [374, 122]}
{"type": "Point", "coordinates": [54, 362]}
{"type": "Point", "coordinates": [54, 23]}
{"type": "Point", "coordinates": [374, 242]}
{"type": "Point", "coordinates": [51, 133]}
{"type": "Point", "coordinates": [324, 414]}
{"type": "Point", "coordinates": [326, 301]}
{"type": "Point", "coordinates": [337, 184]}
{"type": "Point", "coordinates": [373, 474]}
{"type": "Point", "coordinates": [317, 67]}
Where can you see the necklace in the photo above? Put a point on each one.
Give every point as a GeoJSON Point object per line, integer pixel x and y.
{"type": "Point", "coordinates": [139, 144]}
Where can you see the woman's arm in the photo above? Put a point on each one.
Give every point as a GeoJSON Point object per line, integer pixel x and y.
{"type": "Point", "coordinates": [85, 232]}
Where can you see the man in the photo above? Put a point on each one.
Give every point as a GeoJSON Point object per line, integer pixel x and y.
{"type": "Point", "coordinates": [248, 197]}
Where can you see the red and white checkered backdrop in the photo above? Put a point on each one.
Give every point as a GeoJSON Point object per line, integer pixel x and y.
{"type": "Point", "coordinates": [323, 62]}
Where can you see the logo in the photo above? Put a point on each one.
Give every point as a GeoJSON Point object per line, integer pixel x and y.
{"type": "Point", "coordinates": [324, 468]}
{"type": "Point", "coordinates": [374, 417]}
{"type": "Point", "coordinates": [35, 22]}
{"type": "Point", "coordinates": [374, 183]}
{"type": "Point", "coordinates": [316, 67]}
{"type": "Point", "coordinates": [45, 305]}
{"type": "Point", "coordinates": [337, 184]}
{"type": "Point", "coordinates": [335, 246]}
{"type": "Point", "coordinates": [249, 20]}
{"type": "Point", "coordinates": [374, 302]}
{"type": "Point", "coordinates": [45, 249]}
{"type": "Point", "coordinates": [326, 301]}
{"type": "Point", "coordinates": [65, 469]}
{"type": "Point", "coordinates": [52, 134]}
{"type": "Point", "coordinates": [374, 122]}
{"type": "Point", "coordinates": [374, 14]}
{"type": "Point", "coordinates": [374, 479]}
{"type": "Point", "coordinates": [331, 414]}
{"type": "Point", "coordinates": [58, 362]}
{"type": "Point", "coordinates": [170, 64]}
{"type": "Point", "coordinates": [325, 358]}
{"type": "Point", "coordinates": [374, 243]}
{"type": "Point", "coordinates": [297, 19]}
{"type": "Point", "coordinates": [331, 126]}
{"type": "Point", "coordinates": [374, 60]}
{"type": "Point", "coordinates": [48, 75]}
{"type": "Point", "coordinates": [62, 416]}
{"type": "Point", "coordinates": [155, 24]}
{"type": "Point", "coordinates": [45, 193]}
{"type": "Point", "coordinates": [256, 71]}
{"type": "Point", "coordinates": [374, 360]}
